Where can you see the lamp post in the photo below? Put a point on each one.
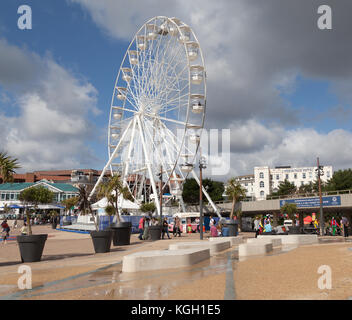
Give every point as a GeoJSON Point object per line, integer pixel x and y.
{"type": "Point", "coordinates": [202, 166]}
{"type": "Point", "coordinates": [161, 192]}
{"type": "Point", "coordinates": [320, 173]}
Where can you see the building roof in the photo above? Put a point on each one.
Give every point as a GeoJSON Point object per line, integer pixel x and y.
{"type": "Point", "coordinates": [23, 185]}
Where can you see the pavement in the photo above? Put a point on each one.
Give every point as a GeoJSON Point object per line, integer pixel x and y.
{"type": "Point", "coordinates": [70, 270]}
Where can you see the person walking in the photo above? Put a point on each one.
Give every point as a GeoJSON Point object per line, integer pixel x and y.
{"type": "Point", "coordinates": [177, 227]}
{"type": "Point", "coordinates": [165, 228]}
{"type": "Point", "coordinates": [334, 224]}
{"type": "Point", "coordinates": [6, 230]}
{"type": "Point", "coordinates": [14, 224]}
{"type": "Point", "coordinates": [256, 226]}
{"type": "Point", "coordinates": [345, 226]}
{"type": "Point", "coordinates": [141, 228]}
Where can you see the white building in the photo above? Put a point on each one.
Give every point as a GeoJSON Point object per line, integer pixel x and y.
{"type": "Point", "coordinates": [267, 180]}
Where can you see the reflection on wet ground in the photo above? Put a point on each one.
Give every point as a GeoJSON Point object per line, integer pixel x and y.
{"type": "Point", "coordinates": [110, 283]}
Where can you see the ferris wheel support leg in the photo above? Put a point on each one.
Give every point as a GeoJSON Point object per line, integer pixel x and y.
{"type": "Point", "coordinates": [207, 195]}
{"type": "Point", "coordinates": [151, 176]}
{"type": "Point", "coordinates": [182, 204]}
{"type": "Point", "coordinates": [129, 153]}
{"type": "Point", "coordinates": [110, 160]}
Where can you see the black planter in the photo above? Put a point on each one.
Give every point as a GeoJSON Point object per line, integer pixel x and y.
{"type": "Point", "coordinates": [233, 227]}
{"type": "Point", "coordinates": [294, 230]}
{"type": "Point", "coordinates": [31, 246]}
{"type": "Point", "coordinates": [54, 225]}
{"type": "Point", "coordinates": [154, 232]}
{"type": "Point", "coordinates": [121, 233]}
{"type": "Point", "coordinates": [101, 240]}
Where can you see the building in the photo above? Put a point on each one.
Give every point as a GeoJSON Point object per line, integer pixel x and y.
{"type": "Point", "coordinates": [247, 182]}
{"type": "Point", "coordinates": [9, 194]}
{"type": "Point", "coordinates": [267, 180]}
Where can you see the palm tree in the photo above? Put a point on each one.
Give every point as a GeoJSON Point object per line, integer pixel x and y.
{"type": "Point", "coordinates": [112, 190]}
{"type": "Point", "coordinates": [235, 192]}
{"type": "Point", "coordinates": [84, 204]}
{"type": "Point", "coordinates": [8, 166]}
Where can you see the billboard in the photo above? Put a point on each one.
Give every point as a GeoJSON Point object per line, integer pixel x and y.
{"type": "Point", "coordinates": [313, 202]}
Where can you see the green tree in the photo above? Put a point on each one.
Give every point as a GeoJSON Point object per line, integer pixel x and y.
{"type": "Point", "coordinates": [8, 166]}
{"type": "Point", "coordinates": [215, 189]}
{"type": "Point", "coordinates": [32, 197]}
{"type": "Point", "coordinates": [190, 193]}
{"type": "Point", "coordinates": [235, 192]}
{"type": "Point", "coordinates": [290, 209]}
{"type": "Point", "coordinates": [148, 207]}
{"type": "Point", "coordinates": [70, 203]}
{"type": "Point", "coordinates": [341, 180]}
{"type": "Point", "coordinates": [285, 188]}
{"type": "Point", "coordinates": [112, 189]}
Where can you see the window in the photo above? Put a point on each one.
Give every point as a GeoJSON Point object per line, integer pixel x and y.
{"type": "Point", "coordinates": [302, 183]}
{"type": "Point", "coordinates": [262, 193]}
{"type": "Point", "coordinates": [7, 196]}
{"type": "Point", "coordinates": [277, 177]}
{"type": "Point", "coordinates": [261, 184]}
{"type": "Point", "coordinates": [3, 196]}
{"type": "Point", "coordinates": [271, 177]}
{"type": "Point", "coordinates": [303, 175]}
{"type": "Point", "coordinates": [328, 174]}
{"type": "Point", "coordinates": [295, 175]}
{"type": "Point", "coordinates": [12, 196]}
{"type": "Point", "coordinates": [286, 177]}
{"type": "Point", "coordinates": [246, 184]}
{"type": "Point", "coordinates": [310, 175]}
{"type": "Point", "coordinates": [261, 175]}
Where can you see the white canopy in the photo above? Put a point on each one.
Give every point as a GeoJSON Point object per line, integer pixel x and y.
{"type": "Point", "coordinates": [123, 204]}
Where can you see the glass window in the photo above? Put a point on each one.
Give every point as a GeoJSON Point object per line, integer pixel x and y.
{"type": "Point", "coordinates": [328, 174]}
{"type": "Point", "coordinates": [295, 175]}
{"type": "Point", "coordinates": [261, 175]}
{"type": "Point", "coordinates": [3, 196]}
{"type": "Point", "coordinates": [310, 174]}
{"type": "Point", "coordinates": [277, 177]}
{"type": "Point", "coordinates": [7, 196]}
{"type": "Point", "coordinates": [262, 193]}
{"type": "Point", "coordinates": [286, 177]}
{"type": "Point", "coordinates": [302, 183]}
{"type": "Point", "coordinates": [303, 175]}
{"type": "Point", "coordinates": [12, 196]}
{"type": "Point", "coordinates": [261, 184]}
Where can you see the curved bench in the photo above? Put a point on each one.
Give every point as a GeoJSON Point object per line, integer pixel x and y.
{"type": "Point", "coordinates": [213, 246]}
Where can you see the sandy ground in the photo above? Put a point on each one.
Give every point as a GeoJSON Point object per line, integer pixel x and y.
{"type": "Point", "coordinates": [70, 270]}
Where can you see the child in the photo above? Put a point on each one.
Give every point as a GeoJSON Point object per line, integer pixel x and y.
{"type": "Point", "coordinates": [6, 229]}
{"type": "Point", "coordinates": [24, 229]}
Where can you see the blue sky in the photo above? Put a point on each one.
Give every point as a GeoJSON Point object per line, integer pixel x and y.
{"type": "Point", "coordinates": [86, 40]}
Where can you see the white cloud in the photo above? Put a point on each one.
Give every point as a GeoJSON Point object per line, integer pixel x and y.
{"type": "Point", "coordinates": [50, 127]}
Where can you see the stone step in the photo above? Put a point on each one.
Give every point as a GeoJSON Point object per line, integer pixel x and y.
{"type": "Point", "coordinates": [276, 242]}
{"type": "Point", "coordinates": [163, 259]}
{"type": "Point", "coordinates": [297, 239]}
{"type": "Point", "coordinates": [253, 249]}
{"type": "Point", "coordinates": [234, 240]}
{"type": "Point", "coordinates": [214, 246]}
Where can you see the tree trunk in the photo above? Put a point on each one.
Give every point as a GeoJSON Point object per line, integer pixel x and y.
{"type": "Point", "coordinates": [233, 208]}
{"type": "Point", "coordinates": [275, 222]}
{"type": "Point", "coordinates": [29, 227]}
{"type": "Point", "coordinates": [117, 208]}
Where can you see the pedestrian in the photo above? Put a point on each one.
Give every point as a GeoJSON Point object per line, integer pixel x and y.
{"type": "Point", "coordinates": [14, 224]}
{"type": "Point", "coordinates": [212, 221]}
{"type": "Point", "coordinates": [154, 221]}
{"type": "Point", "coordinates": [213, 231]}
{"type": "Point", "coordinates": [198, 224]}
{"type": "Point", "coordinates": [334, 224]}
{"type": "Point", "coordinates": [141, 228]}
{"type": "Point", "coordinates": [6, 230]}
{"type": "Point", "coordinates": [345, 224]}
{"type": "Point", "coordinates": [24, 229]}
{"type": "Point", "coordinates": [256, 226]}
{"type": "Point", "coordinates": [165, 228]}
{"type": "Point", "coordinates": [177, 227]}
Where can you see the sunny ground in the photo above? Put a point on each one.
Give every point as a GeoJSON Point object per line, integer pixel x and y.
{"type": "Point", "coordinates": [70, 270]}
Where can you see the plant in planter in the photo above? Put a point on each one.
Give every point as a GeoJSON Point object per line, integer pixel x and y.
{"type": "Point", "coordinates": [31, 246]}
{"type": "Point", "coordinates": [152, 232]}
{"type": "Point", "coordinates": [112, 190]}
{"type": "Point", "coordinates": [54, 215]}
{"type": "Point", "coordinates": [290, 209]}
{"type": "Point", "coordinates": [101, 238]}
{"type": "Point", "coordinates": [235, 192]}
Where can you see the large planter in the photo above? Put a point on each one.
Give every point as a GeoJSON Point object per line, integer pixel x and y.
{"type": "Point", "coordinates": [121, 233]}
{"type": "Point", "coordinates": [154, 232]}
{"type": "Point", "coordinates": [101, 240]}
{"type": "Point", "coordinates": [54, 225]}
{"type": "Point", "coordinates": [31, 246]}
{"type": "Point", "coordinates": [232, 225]}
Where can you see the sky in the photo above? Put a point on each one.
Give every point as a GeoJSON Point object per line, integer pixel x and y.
{"type": "Point", "coordinates": [278, 82]}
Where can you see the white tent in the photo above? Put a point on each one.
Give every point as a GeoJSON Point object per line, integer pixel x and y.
{"type": "Point", "coordinates": [123, 204]}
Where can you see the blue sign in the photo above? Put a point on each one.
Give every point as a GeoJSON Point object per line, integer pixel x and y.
{"type": "Point", "coordinates": [313, 202]}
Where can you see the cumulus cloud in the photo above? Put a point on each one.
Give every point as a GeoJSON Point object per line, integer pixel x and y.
{"type": "Point", "coordinates": [50, 126]}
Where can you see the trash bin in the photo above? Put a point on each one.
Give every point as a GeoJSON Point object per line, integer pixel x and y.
{"type": "Point", "coordinates": [232, 225]}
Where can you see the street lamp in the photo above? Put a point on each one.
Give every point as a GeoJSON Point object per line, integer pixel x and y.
{"type": "Point", "coordinates": [202, 165]}
{"type": "Point", "coordinates": [320, 172]}
{"type": "Point", "coordinates": [161, 193]}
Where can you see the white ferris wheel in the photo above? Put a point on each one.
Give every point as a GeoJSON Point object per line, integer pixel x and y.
{"type": "Point", "coordinates": [157, 111]}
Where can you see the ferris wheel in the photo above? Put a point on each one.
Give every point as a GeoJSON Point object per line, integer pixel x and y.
{"type": "Point", "coordinates": [157, 110]}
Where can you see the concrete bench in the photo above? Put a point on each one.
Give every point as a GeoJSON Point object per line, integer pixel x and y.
{"type": "Point", "coordinates": [234, 240]}
{"type": "Point", "coordinates": [214, 246]}
{"type": "Point", "coordinates": [276, 242]}
{"type": "Point", "coordinates": [297, 239]}
{"type": "Point", "coordinates": [252, 249]}
{"type": "Point", "coordinates": [163, 259]}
